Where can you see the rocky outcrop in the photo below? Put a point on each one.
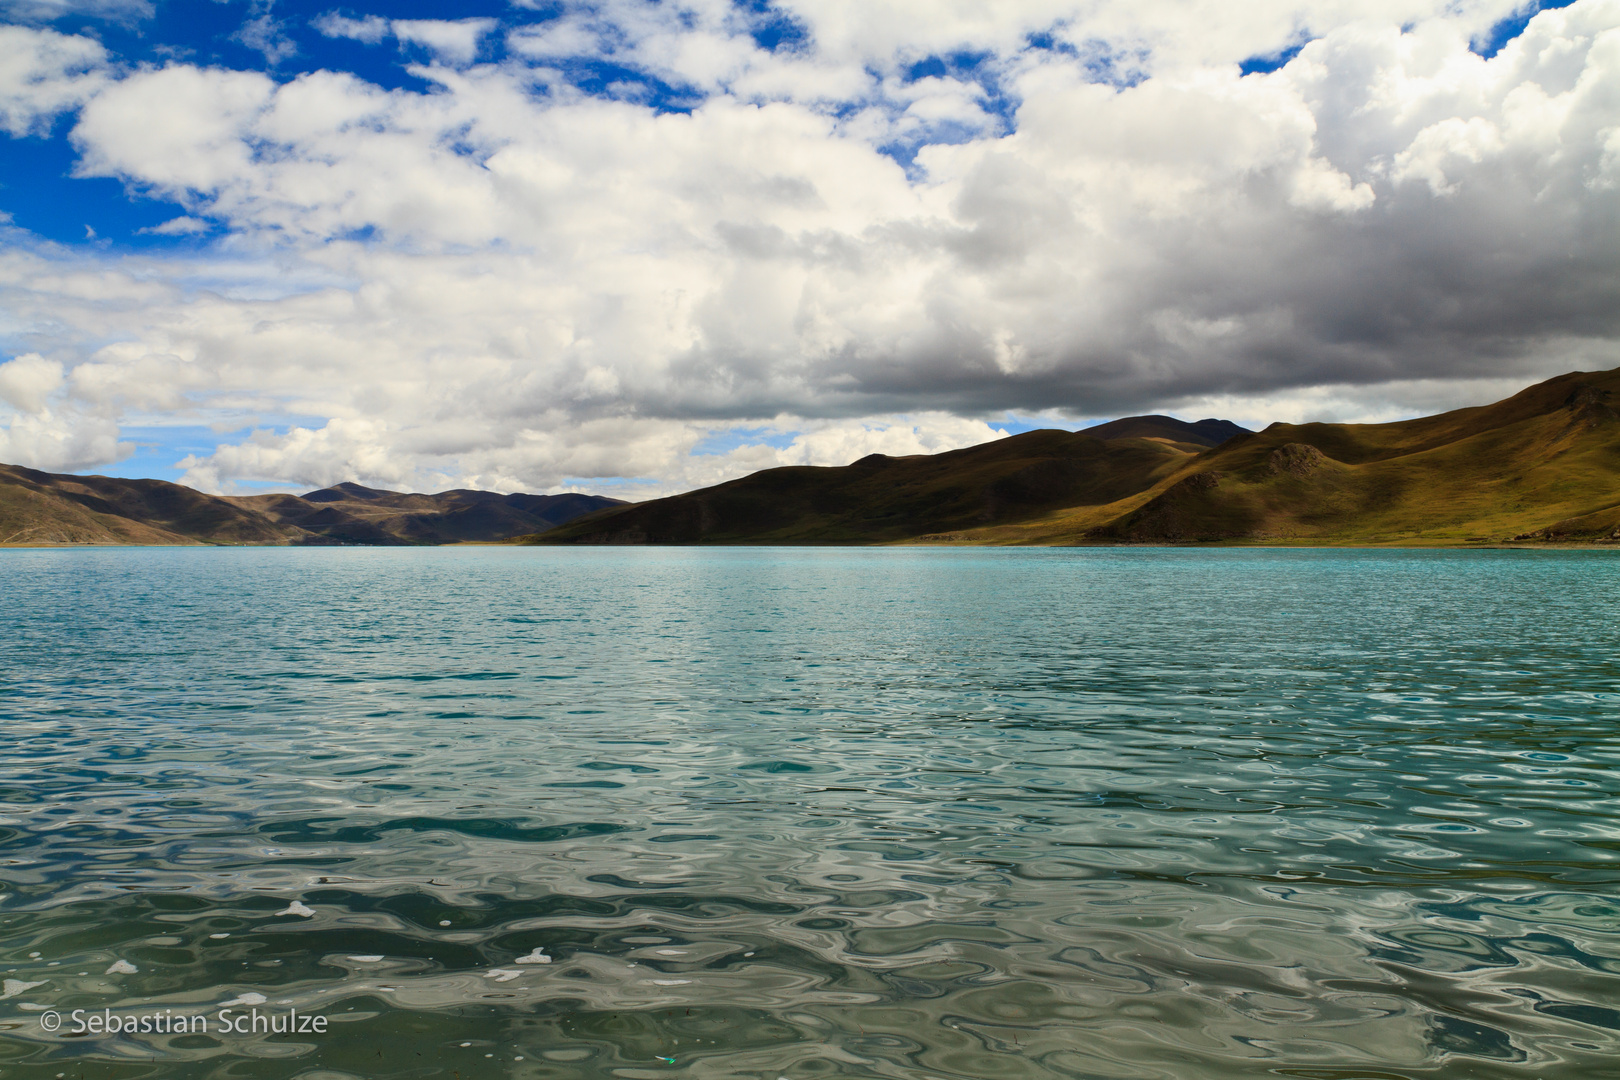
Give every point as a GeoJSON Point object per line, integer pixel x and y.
{"type": "Point", "coordinates": [1296, 459]}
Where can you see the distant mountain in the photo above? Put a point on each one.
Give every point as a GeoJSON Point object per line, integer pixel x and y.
{"type": "Point", "coordinates": [350, 513]}
{"type": "Point", "coordinates": [1543, 465]}
{"type": "Point", "coordinates": [38, 507]}
{"type": "Point", "coordinates": [1204, 433]}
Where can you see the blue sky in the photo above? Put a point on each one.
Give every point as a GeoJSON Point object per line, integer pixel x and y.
{"type": "Point", "coordinates": [43, 196]}
{"type": "Point", "coordinates": [655, 243]}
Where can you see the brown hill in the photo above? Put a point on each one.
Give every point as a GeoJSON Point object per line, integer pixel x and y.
{"type": "Point", "coordinates": [50, 508]}
{"type": "Point", "coordinates": [881, 498]}
{"type": "Point", "coordinates": [1543, 465]}
{"type": "Point", "coordinates": [350, 513]}
{"type": "Point", "coordinates": [1204, 433]}
{"type": "Point", "coordinates": [1545, 462]}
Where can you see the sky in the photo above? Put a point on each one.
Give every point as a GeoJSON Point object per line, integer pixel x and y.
{"type": "Point", "coordinates": [640, 246]}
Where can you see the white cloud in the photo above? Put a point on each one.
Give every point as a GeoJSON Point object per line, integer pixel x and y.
{"type": "Point", "coordinates": [558, 39]}
{"type": "Point", "coordinates": [371, 29]}
{"type": "Point", "coordinates": [180, 226]}
{"type": "Point", "coordinates": [57, 440]}
{"type": "Point", "coordinates": [28, 381]}
{"type": "Point", "coordinates": [44, 74]}
{"type": "Point", "coordinates": [840, 442]}
{"type": "Point", "coordinates": [176, 129]}
{"type": "Point", "coordinates": [452, 42]}
{"type": "Point", "coordinates": [656, 456]}
{"type": "Point", "coordinates": [1453, 143]}
{"type": "Point", "coordinates": [267, 36]}
{"type": "Point", "coordinates": [43, 11]}
{"type": "Point", "coordinates": [62, 444]}
{"type": "Point", "coordinates": [1398, 399]}
{"type": "Point", "coordinates": [555, 287]}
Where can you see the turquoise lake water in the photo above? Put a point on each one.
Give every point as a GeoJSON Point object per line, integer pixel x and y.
{"type": "Point", "coordinates": [806, 813]}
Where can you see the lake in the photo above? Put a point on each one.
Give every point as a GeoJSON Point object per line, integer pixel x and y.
{"type": "Point", "coordinates": [807, 813]}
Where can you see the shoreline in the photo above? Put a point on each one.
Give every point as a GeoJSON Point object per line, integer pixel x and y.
{"type": "Point", "coordinates": [1289, 545]}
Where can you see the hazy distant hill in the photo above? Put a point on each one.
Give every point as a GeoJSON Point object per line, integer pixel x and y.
{"type": "Point", "coordinates": [881, 498]}
{"type": "Point", "coordinates": [354, 514]}
{"type": "Point", "coordinates": [1543, 465]}
{"type": "Point", "coordinates": [38, 507]}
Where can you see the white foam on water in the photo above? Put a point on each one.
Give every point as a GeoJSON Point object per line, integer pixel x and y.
{"type": "Point", "coordinates": [249, 998]}
{"type": "Point", "coordinates": [13, 987]}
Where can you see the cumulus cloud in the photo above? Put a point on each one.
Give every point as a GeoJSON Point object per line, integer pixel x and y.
{"type": "Point", "coordinates": [371, 29]}
{"type": "Point", "coordinates": [27, 381]}
{"type": "Point", "coordinates": [40, 436]}
{"type": "Point", "coordinates": [42, 75]}
{"type": "Point", "coordinates": [65, 443]}
{"type": "Point", "coordinates": [646, 459]}
{"type": "Point", "coordinates": [841, 246]}
{"type": "Point", "coordinates": [452, 42]}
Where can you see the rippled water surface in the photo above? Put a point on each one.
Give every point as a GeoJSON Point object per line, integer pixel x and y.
{"type": "Point", "coordinates": [813, 813]}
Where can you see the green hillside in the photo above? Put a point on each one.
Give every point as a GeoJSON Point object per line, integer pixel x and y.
{"type": "Point", "coordinates": [1544, 463]}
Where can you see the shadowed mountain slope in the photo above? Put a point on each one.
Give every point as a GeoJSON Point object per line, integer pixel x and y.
{"type": "Point", "coordinates": [350, 513]}
{"type": "Point", "coordinates": [1542, 465]}
{"type": "Point", "coordinates": [881, 498]}
{"type": "Point", "coordinates": [1202, 434]}
{"type": "Point", "coordinates": [49, 508]}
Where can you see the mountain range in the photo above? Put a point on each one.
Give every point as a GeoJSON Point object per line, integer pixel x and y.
{"type": "Point", "coordinates": [1543, 465]}
{"type": "Point", "coordinates": [50, 508]}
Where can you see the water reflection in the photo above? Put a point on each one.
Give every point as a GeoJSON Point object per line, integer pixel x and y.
{"type": "Point", "coordinates": [1125, 814]}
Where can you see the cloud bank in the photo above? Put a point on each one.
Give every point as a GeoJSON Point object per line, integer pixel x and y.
{"type": "Point", "coordinates": [666, 244]}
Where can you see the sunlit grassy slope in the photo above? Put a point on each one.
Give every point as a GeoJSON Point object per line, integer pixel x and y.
{"type": "Point", "coordinates": [1542, 465]}
{"type": "Point", "coordinates": [50, 508]}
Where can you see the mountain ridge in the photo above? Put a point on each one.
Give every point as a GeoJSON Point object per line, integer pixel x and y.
{"type": "Point", "coordinates": [1204, 433]}
{"type": "Point", "coordinates": [57, 508]}
{"type": "Point", "coordinates": [885, 499]}
{"type": "Point", "coordinates": [1542, 465]}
